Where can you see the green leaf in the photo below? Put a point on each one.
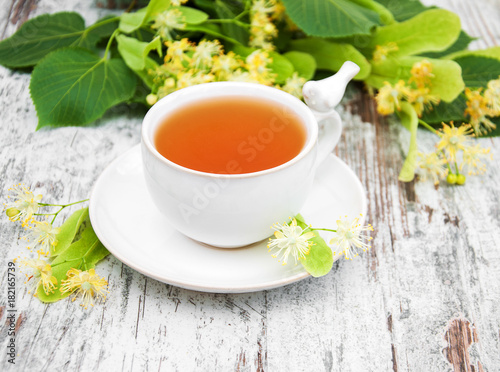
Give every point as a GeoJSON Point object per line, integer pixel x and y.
{"type": "Point", "coordinates": [130, 22]}
{"type": "Point", "coordinates": [386, 16]}
{"type": "Point", "coordinates": [331, 56]}
{"type": "Point", "coordinates": [40, 36]}
{"type": "Point", "coordinates": [303, 63]}
{"type": "Point", "coordinates": [192, 16]}
{"type": "Point", "coordinates": [144, 74]}
{"type": "Point", "coordinates": [432, 30]}
{"type": "Point", "coordinates": [281, 66]}
{"type": "Point", "coordinates": [75, 87]}
{"type": "Point", "coordinates": [403, 10]}
{"type": "Point", "coordinates": [68, 231]}
{"type": "Point", "coordinates": [229, 10]}
{"type": "Point", "coordinates": [211, 29]}
{"type": "Point", "coordinates": [331, 18]}
{"type": "Point", "coordinates": [82, 254]}
{"type": "Point", "coordinates": [493, 52]}
{"type": "Point", "coordinates": [446, 112]}
{"type": "Point", "coordinates": [134, 52]}
{"type": "Point", "coordinates": [409, 119]}
{"type": "Point", "coordinates": [477, 71]}
{"type": "Point", "coordinates": [319, 261]}
{"type": "Point", "coordinates": [447, 82]}
{"type": "Point", "coordinates": [460, 44]}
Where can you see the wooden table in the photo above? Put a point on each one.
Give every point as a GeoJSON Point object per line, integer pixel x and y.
{"type": "Point", "coordinates": [425, 298]}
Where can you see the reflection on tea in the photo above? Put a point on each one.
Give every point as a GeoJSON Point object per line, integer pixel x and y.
{"type": "Point", "coordinates": [231, 135]}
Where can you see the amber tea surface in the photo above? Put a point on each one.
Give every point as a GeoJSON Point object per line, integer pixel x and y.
{"type": "Point", "coordinates": [231, 135]}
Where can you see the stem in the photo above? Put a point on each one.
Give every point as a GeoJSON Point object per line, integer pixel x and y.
{"type": "Point", "coordinates": [234, 21]}
{"type": "Point", "coordinates": [428, 126]}
{"type": "Point", "coordinates": [313, 228]}
{"type": "Point", "coordinates": [456, 169]}
{"type": "Point", "coordinates": [110, 41]}
{"type": "Point", "coordinates": [62, 205]}
{"type": "Point", "coordinates": [242, 14]}
{"type": "Point", "coordinates": [105, 22]}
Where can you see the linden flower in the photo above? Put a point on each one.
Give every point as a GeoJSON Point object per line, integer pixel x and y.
{"type": "Point", "coordinates": [24, 205]}
{"type": "Point", "coordinates": [474, 159]}
{"type": "Point", "coordinates": [453, 139]}
{"type": "Point", "coordinates": [43, 235]}
{"type": "Point", "coordinates": [381, 51]}
{"type": "Point", "coordinates": [204, 52]}
{"type": "Point", "coordinates": [350, 237]}
{"type": "Point", "coordinates": [492, 97]}
{"type": "Point", "coordinates": [167, 21]}
{"type": "Point", "coordinates": [294, 84]}
{"type": "Point", "coordinates": [263, 6]}
{"type": "Point", "coordinates": [290, 240]}
{"type": "Point", "coordinates": [41, 275]}
{"type": "Point", "coordinates": [477, 108]}
{"type": "Point", "coordinates": [431, 166]}
{"type": "Point", "coordinates": [178, 2]}
{"type": "Point", "coordinates": [189, 78]}
{"type": "Point", "coordinates": [421, 73]}
{"type": "Point", "coordinates": [176, 52]}
{"type": "Point", "coordinates": [420, 99]}
{"type": "Point", "coordinates": [224, 65]}
{"type": "Point", "coordinates": [84, 284]}
{"type": "Point", "coordinates": [257, 65]}
{"type": "Point", "coordinates": [243, 76]}
{"type": "Point", "coordinates": [388, 97]}
{"type": "Point", "coordinates": [262, 31]}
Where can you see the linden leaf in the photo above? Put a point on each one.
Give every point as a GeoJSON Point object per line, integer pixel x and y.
{"type": "Point", "coordinates": [43, 34]}
{"type": "Point", "coordinates": [303, 63]}
{"type": "Point", "coordinates": [192, 16]}
{"type": "Point", "coordinates": [130, 22]}
{"type": "Point", "coordinates": [68, 231]}
{"type": "Point", "coordinates": [432, 30]}
{"type": "Point", "coordinates": [229, 10]}
{"type": "Point", "coordinates": [134, 52]}
{"type": "Point", "coordinates": [447, 82]}
{"type": "Point", "coordinates": [460, 44]}
{"type": "Point", "coordinates": [403, 10]}
{"type": "Point", "coordinates": [332, 18]}
{"type": "Point", "coordinates": [409, 119]}
{"type": "Point", "coordinates": [75, 87]}
{"type": "Point", "coordinates": [82, 254]}
{"type": "Point", "coordinates": [331, 56]}
{"type": "Point", "coordinates": [319, 261]}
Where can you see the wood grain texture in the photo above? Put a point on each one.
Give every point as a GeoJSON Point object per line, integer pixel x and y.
{"type": "Point", "coordinates": [425, 298]}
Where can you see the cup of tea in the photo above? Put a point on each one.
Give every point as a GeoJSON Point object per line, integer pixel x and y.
{"type": "Point", "coordinates": [224, 161]}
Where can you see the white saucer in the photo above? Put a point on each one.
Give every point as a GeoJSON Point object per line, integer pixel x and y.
{"type": "Point", "coordinates": [127, 222]}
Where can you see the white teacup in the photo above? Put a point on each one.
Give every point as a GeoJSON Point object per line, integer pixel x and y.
{"type": "Point", "coordinates": [234, 210]}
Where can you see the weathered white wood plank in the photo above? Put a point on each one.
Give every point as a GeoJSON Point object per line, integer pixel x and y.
{"type": "Point", "coordinates": [425, 298]}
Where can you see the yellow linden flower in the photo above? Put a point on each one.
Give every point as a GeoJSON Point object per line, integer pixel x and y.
{"type": "Point", "coordinates": [176, 52]}
{"type": "Point", "coordinates": [492, 97]}
{"type": "Point", "coordinates": [84, 284]}
{"type": "Point", "coordinates": [204, 51]}
{"type": "Point", "coordinates": [290, 240]}
{"type": "Point", "coordinates": [381, 51]}
{"type": "Point", "coordinates": [41, 273]}
{"type": "Point", "coordinates": [293, 85]}
{"type": "Point", "coordinates": [388, 97]}
{"type": "Point", "coordinates": [224, 65]}
{"type": "Point", "coordinates": [421, 98]}
{"type": "Point", "coordinates": [431, 166]}
{"type": "Point", "coordinates": [262, 29]}
{"type": "Point", "coordinates": [474, 159]}
{"type": "Point", "coordinates": [243, 76]}
{"type": "Point", "coordinates": [178, 2]}
{"type": "Point", "coordinates": [351, 237]}
{"type": "Point", "coordinates": [421, 73]}
{"type": "Point", "coordinates": [454, 139]}
{"type": "Point", "coordinates": [167, 21]}
{"type": "Point", "coordinates": [477, 109]}
{"type": "Point", "coordinates": [189, 78]}
{"type": "Point", "coordinates": [43, 235]}
{"type": "Point", "coordinates": [23, 205]}
{"type": "Point", "coordinates": [257, 65]}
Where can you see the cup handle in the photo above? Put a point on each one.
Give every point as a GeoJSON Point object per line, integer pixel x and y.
{"type": "Point", "coordinates": [330, 129]}
{"type": "Point", "coordinates": [321, 97]}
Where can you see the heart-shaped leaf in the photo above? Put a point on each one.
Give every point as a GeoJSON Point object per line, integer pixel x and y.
{"type": "Point", "coordinates": [72, 87]}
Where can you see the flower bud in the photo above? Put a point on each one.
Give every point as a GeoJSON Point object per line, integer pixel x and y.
{"type": "Point", "coordinates": [151, 99]}
{"type": "Point", "coordinates": [460, 179]}
{"type": "Point", "coordinates": [451, 179]}
{"type": "Point", "coordinates": [12, 212]}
